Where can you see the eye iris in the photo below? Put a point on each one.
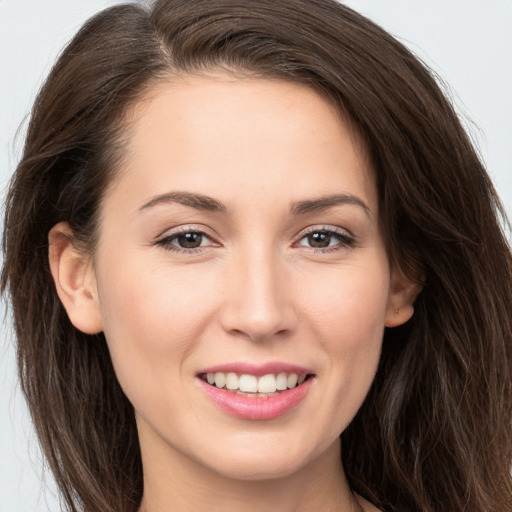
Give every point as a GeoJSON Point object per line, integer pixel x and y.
{"type": "Point", "coordinates": [190, 240]}
{"type": "Point", "coordinates": [319, 239]}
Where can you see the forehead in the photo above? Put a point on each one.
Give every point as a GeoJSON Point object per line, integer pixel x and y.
{"type": "Point", "coordinates": [223, 136]}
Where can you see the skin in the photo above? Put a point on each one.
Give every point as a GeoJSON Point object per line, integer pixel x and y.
{"type": "Point", "coordinates": [254, 291]}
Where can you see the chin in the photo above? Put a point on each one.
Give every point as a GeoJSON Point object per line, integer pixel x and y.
{"type": "Point", "coordinates": [270, 461]}
{"type": "Point", "coordinates": [259, 470]}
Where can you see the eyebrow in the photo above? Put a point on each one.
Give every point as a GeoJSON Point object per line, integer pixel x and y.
{"type": "Point", "coordinates": [325, 202]}
{"type": "Point", "coordinates": [197, 201]}
{"type": "Point", "coordinates": [206, 203]}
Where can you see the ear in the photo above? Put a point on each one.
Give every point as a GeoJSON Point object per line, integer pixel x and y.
{"type": "Point", "coordinates": [402, 294]}
{"type": "Point", "coordinates": [74, 280]}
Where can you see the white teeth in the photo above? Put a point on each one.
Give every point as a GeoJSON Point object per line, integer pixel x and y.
{"type": "Point", "coordinates": [267, 384]}
{"type": "Point", "coordinates": [255, 386]}
{"type": "Point", "coordinates": [248, 383]}
{"type": "Point", "coordinates": [220, 379]}
{"type": "Point", "coordinates": [232, 381]}
{"type": "Point", "coordinates": [253, 395]}
{"type": "Point", "coordinates": [292, 380]}
{"type": "Point", "coordinates": [282, 382]}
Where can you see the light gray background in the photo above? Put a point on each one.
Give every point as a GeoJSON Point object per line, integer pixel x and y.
{"type": "Point", "coordinates": [468, 42]}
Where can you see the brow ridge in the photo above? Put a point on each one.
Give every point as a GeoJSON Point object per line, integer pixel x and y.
{"type": "Point", "coordinates": [207, 203]}
{"type": "Point", "coordinates": [328, 201]}
{"type": "Point", "coordinates": [194, 200]}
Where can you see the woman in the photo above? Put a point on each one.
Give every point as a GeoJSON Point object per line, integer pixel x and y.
{"type": "Point", "coordinates": [250, 227]}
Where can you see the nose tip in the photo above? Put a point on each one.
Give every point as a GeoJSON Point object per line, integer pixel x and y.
{"type": "Point", "coordinates": [258, 304]}
{"type": "Point", "coordinates": [258, 325]}
{"type": "Point", "coordinates": [258, 318]}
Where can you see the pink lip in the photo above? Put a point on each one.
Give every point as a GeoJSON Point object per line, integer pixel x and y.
{"type": "Point", "coordinates": [257, 369]}
{"type": "Point", "coordinates": [256, 408]}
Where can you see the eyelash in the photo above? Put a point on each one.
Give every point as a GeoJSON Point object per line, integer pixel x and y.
{"type": "Point", "coordinates": [166, 241]}
{"type": "Point", "coordinates": [345, 240]}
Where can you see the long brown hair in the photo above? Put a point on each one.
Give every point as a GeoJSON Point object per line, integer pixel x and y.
{"type": "Point", "coordinates": [434, 433]}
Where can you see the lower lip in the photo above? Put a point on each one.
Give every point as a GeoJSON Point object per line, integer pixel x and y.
{"type": "Point", "coordinates": [257, 408]}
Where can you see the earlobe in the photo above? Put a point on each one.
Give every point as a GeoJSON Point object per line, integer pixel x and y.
{"type": "Point", "coordinates": [402, 294]}
{"type": "Point", "coordinates": [74, 279]}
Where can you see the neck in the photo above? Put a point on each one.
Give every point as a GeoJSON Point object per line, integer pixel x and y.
{"type": "Point", "coordinates": [318, 485]}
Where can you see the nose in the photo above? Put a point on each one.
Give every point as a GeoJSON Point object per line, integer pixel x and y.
{"type": "Point", "coordinates": [258, 301]}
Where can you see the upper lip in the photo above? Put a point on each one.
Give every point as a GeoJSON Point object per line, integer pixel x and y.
{"type": "Point", "coordinates": [257, 370]}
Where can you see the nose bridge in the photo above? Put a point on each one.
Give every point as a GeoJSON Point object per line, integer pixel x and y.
{"type": "Point", "coordinates": [258, 302]}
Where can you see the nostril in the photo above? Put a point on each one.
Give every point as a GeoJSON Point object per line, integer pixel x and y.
{"type": "Point", "coordinates": [258, 309]}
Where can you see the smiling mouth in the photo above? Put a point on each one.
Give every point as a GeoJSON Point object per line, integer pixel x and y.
{"type": "Point", "coordinates": [245, 384]}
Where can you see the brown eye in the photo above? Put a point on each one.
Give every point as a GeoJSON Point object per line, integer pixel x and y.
{"type": "Point", "coordinates": [190, 240]}
{"type": "Point", "coordinates": [319, 239]}
{"type": "Point", "coordinates": [186, 241]}
{"type": "Point", "coordinates": [326, 239]}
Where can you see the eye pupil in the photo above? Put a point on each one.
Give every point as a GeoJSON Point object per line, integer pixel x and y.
{"type": "Point", "coordinates": [319, 239]}
{"type": "Point", "coordinates": [190, 240]}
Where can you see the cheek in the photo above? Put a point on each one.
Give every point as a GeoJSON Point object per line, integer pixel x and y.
{"type": "Point", "coordinates": [151, 321]}
{"type": "Point", "coordinates": [347, 314]}
{"type": "Point", "coordinates": [349, 305]}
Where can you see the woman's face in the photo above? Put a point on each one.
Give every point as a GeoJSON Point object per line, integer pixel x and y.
{"type": "Point", "coordinates": [241, 239]}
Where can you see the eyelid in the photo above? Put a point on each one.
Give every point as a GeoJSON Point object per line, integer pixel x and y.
{"type": "Point", "coordinates": [324, 227]}
{"type": "Point", "coordinates": [187, 228]}
{"type": "Point", "coordinates": [164, 238]}
{"type": "Point", "coordinates": [347, 238]}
